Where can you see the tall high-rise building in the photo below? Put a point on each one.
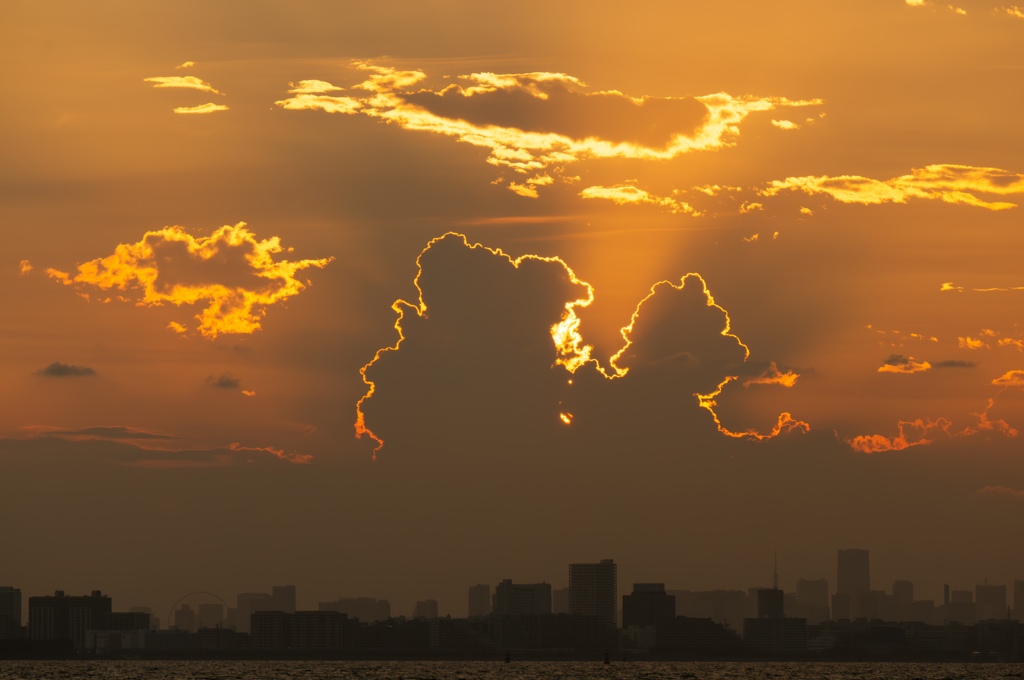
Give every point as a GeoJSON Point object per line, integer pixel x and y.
{"type": "Point", "coordinates": [903, 600]}
{"type": "Point", "coordinates": [249, 603]}
{"type": "Point", "coordinates": [560, 601]}
{"type": "Point", "coordinates": [853, 583]}
{"type": "Point", "coordinates": [647, 605]}
{"type": "Point", "coordinates": [154, 622]}
{"type": "Point", "coordinates": [426, 609]}
{"type": "Point", "coordinates": [811, 600]}
{"type": "Point", "coordinates": [479, 600]}
{"type": "Point", "coordinates": [62, 617]}
{"type": "Point", "coordinates": [854, 573]}
{"type": "Point", "coordinates": [593, 590]}
{"type": "Point", "coordinates": [10, 613]}
{"type": "Point", "coordinates": [185, 618]}
{"type": "Point", "coordinates": [284, 598]}
{"type": "Point", "coordinates": [990, 601]}
{"type": "Point", "coordinates": [1018, 600]}
{"type": "Point", "coordinates": [521, 598]}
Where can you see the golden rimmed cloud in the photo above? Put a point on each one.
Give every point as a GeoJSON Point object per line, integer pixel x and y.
{"type": "Point", "coordinates": [203, 108]}
{"type": "Point", "coordinates": [897, 363]}
{"type": "Point", "coordinates": [515, 333]}
{"type": "Point", "coordinates": [532, 121]}
{"type": "Point", "coordinates": [950, 183]}
{"type": "Point", "coordinates": [231, 272]}
{"type": "Point", "coordinates": [189, 82]}
{"type": "Point", "coordinates": [627, 194]}
{"type": "Point", "coordinates": [24, 267]}
{"type": "Point", "coordinates": [312, 87]}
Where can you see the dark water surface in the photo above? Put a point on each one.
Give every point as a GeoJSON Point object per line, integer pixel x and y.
{"type": "Point", "coordinates": [486, 670]}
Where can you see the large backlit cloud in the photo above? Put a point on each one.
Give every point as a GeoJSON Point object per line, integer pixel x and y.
{"type": "Point", "coordinates": [232, 272]}
{"type": "Point", "coordinates": [531, 121]}
{"type": "Point", "coordinates": [492, 352]}
{"type": "Point", "coordinates": [949, 183]}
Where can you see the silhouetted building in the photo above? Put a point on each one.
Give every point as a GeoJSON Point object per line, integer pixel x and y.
{"type": "Point", "coordinates": [154, 622]}
{"type": "Point", "coordinates": [10, 613]}
{"type": "Point", "coordinates": [284, 598]}
{"type": "Point", "coordinates": [593, 590]}
{"type": "Point", "coordinates": [990, 602]}
{"type": "Point", "coordinates": [647, 605]}
{"type": "Point", "coordinates": [124, 621]}
{"type": "Point", "coordinates": [521, 598]}
{"type": "Point", "coordinates": [209, 616]}
{"type": "Point", "coordinates": [365, 609]}
{"type": "Point", "coordinates": [577, 632]}
{"type": "Point", "coordinates": [301, 630]}
{"type": "Point", "coordinates": [560, 601]}
{"type": "Point", "coordinates": [727, 607]}
{"type": "Point", "coordinates": [961, 608]}
{"type": "Point", "coordinates": [246, 604]}
{"type": "Point", "coordinates": [854, 582]}
{"type": "Point", "coordinates": [697, 636]}
{"type": "Point", "coordinates": [185, 618]}
{"type": "Point", "coordinates": [811, 601]}
{"type": "Point", "coordinates": [776, 635]}
{"type": "Point", "coordinates": [479, 600]}
{"type": "Point", "coordinates": [1018, 600]}
{"type": "Point", "coordinates": [925, 612]}
{"type": "Point", "coordinates": [903, 600]}
{"type": "Point", "coordinates": [425, 609]}
{"type": "Point", "coordinates": [62, 617]}
{"type": "Point", "coordinates": [770, 604]}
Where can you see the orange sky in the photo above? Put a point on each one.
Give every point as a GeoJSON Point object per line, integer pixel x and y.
{"type": "Point", "coordinates": [211, 211]}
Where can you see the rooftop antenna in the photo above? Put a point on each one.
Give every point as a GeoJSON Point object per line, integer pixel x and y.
{"type": "Point", "coordinates": [775, 579]}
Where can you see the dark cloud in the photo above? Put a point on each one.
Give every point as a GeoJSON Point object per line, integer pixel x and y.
{"type": "Point", "coordinates": [954, 363]}
{"type": "Point", "coordinates": [62, 370]}
{"type": "Point", "coordinates": [112, 432]}
{"type": "Point", "coordinates": [549, 103]}
{"type": "Point", "coordinates": [896, 360]}
{"type": "Point", "coordinates": [226, 381]}
{"type": "Point", "coordinates": [477, 373]}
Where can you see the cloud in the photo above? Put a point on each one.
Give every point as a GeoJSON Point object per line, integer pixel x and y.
{"type": "Point", "coordinates": [912, 433]}
{"type": "Point", "coordinates": [204, 108]}
{"type": "Point", "coordinates": [24, 267]}
{"type": "Point", "coordinates": [103, 432]}
{"type": "Point", "coordinates": [897, 363]}
{"type": "Point", "coordinates": [233, 273]}
{"type": "Point", "coordinates": [492, 354]}
{"type": "Point", "coordinates": [1011, 342]}
{"type": "Point", "coordinates": [1010, 379]}
{"type": "Point", "coordinates": [61, 370]}
{"type": "Point", "coordinates": [949, 183]}
{"type": "Point", "coordinates": [182, 81]}
{"type": "Point", "coordinates": [785, 125]}
{"type": "Point", "coordinates": [321, 102]}
{"type": "Point", "coordinates": [225, 381]}
{"type": "Point", "coordinates": [953, 363]}
{"type": "Point", "coordinates": [949, 286]}
{"type": "Point", "coordinates": [749, 207]}
{"type": "Point", "coordinates": [999, 490]}
{"type": "Point", "coordinates": [287, 457]}
{"type": "Point", "coordinates": [916, 3]}
{"type": "Point", "coordinates": [627, 194]}
{"type": "Point", "coordinates": [249, 393]}
{"type": "Point", "coordinates": [971, 343]}
{"type": "Point", "coordinates": [532, 121]}
{"type": "Point", "coordinates": [312, 87]}
{"type": "Point", "coordinates": [1015, 11]}
{"type": "Point", "coordinates": [187, 64]}
{"type": "Point", "coordinates": [773, 376]}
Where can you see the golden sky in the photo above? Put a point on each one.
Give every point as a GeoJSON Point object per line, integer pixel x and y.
{"type": "Point", "coordinates": [352, 283]}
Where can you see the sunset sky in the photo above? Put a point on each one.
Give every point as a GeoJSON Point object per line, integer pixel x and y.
{"type": "Point", "coordinates": [676, 283]}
